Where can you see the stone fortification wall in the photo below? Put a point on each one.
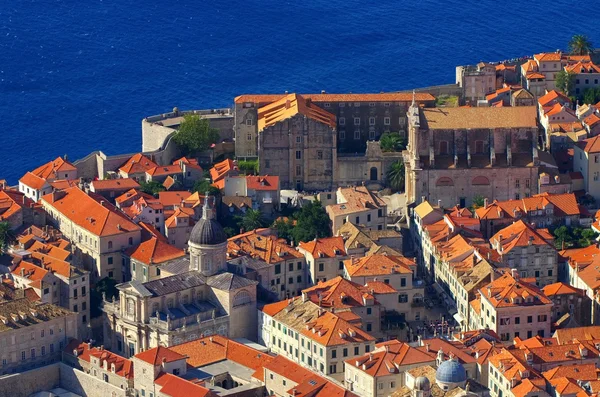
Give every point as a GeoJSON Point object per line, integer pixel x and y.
{"type": "Point", "coordinates": [438, 90]}
{"type": "Point", "coordinates": [29, 382]}
{"type": "Point", "coordinates": [156, 129]}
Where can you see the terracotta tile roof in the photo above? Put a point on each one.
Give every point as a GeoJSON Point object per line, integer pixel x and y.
{"type": "Point", "coordinates": [520, 234]}
{"type": "Point", "coordinates": [11, 204]}
{"type": "Point", "coordinates": [379, 265]}
{"type": "Point", "coordinates": [563, 204]}
{"type": "Point", "coordinates": [163, 170]}
{"type": "Point", "coordinates": [135, 208]}
{"type": "Point", "coordinates": [357, 199]}
{"type": "Point", "coordinates": [479, 117]}
{"type": "Point", "coordinates": [379, 287]}
{"type": "Point", "coordinates": [272, 309]}
{"type": "Point", "coordinates": [85, 211]}
{"type": "Point", "coordinates": [529, 66]}
{"type": "Point", "coordinates": [267, 182]}
{"type": "Point", "coordinates": [50, 169]}
{"type": "Point", "coordinates": [307, 383]}
{"type": "Point", "coordinates": [548, 57]}
{"type": "Point", "coordinates": [317, 324]}
{"type": "Point", "coordinates": [155, 251]}
{"type": "Point", "coordinates": [574, 371]}
{"type": "Point", "coordinates": [237, 202]}
{"type": "Point", "coordinates": [382, 97]}
{"type": "Point", "coordinates": [583, 67]}
{"type": "Point", "coordinates": [29, 271]}
{"type": "Point", "coordinates": [123, 367]}
{"type": "Point", "coordinates": [174, 386]}
{"type": "Point", "coordinates": [592, 119]}
{"type": "Point", "coordinates": [216, 348]}
{"type": "Point", "coordinates": [33, 181]}
{"type": "Point", "coordinates": [138, 163]}
{"type": "Point", "coordinates": [50, 250]}
{"type": "Point", "coordinates": [179, 213]}
{"type": "Point", "coordinates": [222, 169]}
{"type": "Point", "coordinates": [506, 291]}
{"type": "Point", "coordinates": [268, 248]}
{"type": "Point", "coordinates": [155, 356]}
{"type": "Point", "coordinates": [425, 208]}
{"type": "Point", "coordinates": [535, 341]}
{"type": "Point", "coordinates": [289, 106]}
{"type": "Point", "coordinates": [561, 289]}
{"type": "Point", "coordinates": [390, 358]}
{"type": "Point", "coordinates": [534, 75]}
{"type": "Point", "coordinates": [114, 184]}
{"type": "Point", "coordinates": [170, 199]}
{"type": "Point", "coordinates": [130, 196]}
{"type": "Point", "coordinates": [551, 97]}
{"type": "Point", "coordinates": [328, 247]}
{"type": "Point", "coordinates": [449, 349]}
{"type": "Point", "coordinates": [512, 368]}
{"type": "Point", "coordinates": [190, 163]}
{"type": "Point", "coordinates": [567, 335]}
{"type": "Point", "coordinates": [558, 108]}
{"type": "Point", "coordinates": [62, 184]}
{"type": "Point", "coordinates": [339, 293]}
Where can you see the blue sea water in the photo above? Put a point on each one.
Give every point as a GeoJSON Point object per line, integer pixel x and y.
{"type": "Point", "coordinates": [77, 76]}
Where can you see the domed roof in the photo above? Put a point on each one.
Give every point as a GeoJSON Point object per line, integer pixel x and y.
{"type": "Point", "coordinates": [422, 383]}
{"type": "Point", "coordinates": [451, 371]}
{"type": "Point", "coordinates": [207, 232]}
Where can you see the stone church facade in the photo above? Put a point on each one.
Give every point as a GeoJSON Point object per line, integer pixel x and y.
{"type": "Point", "coordinates": [198, 298]}
{"type": "Point", "coordinates": [455, 154]}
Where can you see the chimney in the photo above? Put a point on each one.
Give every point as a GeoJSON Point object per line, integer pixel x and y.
{"type": "Point", "coordinates": [102, 203]}
{"type": "Point", "coordinates": [22, 272]}
{"type": "Point", "coordinates": [287, 104]}
{"type": "Point", "coordinates": [439, 203]}
{"type": "Point", "coordinates": [427, 347]}
{"type": "Point", "coordinates": [514, 273]}
{"type": "Point", "coordinates": [322, 91]}
{"type": "Point", "coordinates": [485, 203]}
{"type": "Point", "coordinates": [422, 199]}
{"type": "Point", "coordinates": [489, 289]}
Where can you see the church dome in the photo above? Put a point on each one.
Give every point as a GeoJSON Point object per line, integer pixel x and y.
{"type": "Point", "coordinates": [451, 371]}
{"type": "Point", "coordinates": [422, 383]}
{"type": "Point", "coordinates": [207, 232]}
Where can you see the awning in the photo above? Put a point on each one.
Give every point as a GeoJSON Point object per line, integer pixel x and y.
{"type": "Point", "coordinates": [459, 319]}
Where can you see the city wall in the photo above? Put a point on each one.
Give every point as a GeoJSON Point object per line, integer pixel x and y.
{"type": "Point", "coordinates": [29, 382]}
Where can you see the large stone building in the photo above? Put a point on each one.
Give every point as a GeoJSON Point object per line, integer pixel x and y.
{"type": "Point", "coordinates": [456, 153]}
{"type": "Point", "coordinates": [199, 298]}
{"type": "Point", "coordinates": [358, 118]}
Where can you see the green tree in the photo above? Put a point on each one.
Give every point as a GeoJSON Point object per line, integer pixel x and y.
{"type": "Point", "coordinates": [248, 167]}
{"type": "Point", "coordinates": [6, 235]}
{"type": "Point", "coordinates": [103, 288]}
{"type": "Point", "coordinates": [311, 222]}
{"type": "Point", "coordinates": [591, 96]}
{"type": "Point", "coordinates": [152, 187]}
{"type": "Point", "coordinates": [392, 142]}
{"type": "Point", "coordinates": [563, 237]}
{"type": "Point", "coordinates": [478, 201]}
{"type": "Point", "coordinates": [203, 186]}
{"type": "Point", "coordinates": [580, 45]}
{"type": "Point", "coordinates": [284, 228]}
{"type": "Point", "coordinates": [195, 134]}
{"type": "Point", "coordinates": [395, 176]}
{"type": "Point", "coordinates": [253, 219]}
{"type": "Point", "coordinates": [565, 82]}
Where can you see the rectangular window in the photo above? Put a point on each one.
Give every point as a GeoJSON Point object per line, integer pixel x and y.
{"type": "Point", "coordinates": [319, 155]}
{"type": "Point", "coordinates": [371, 134]}
{"type": "Point", "coordinates": [291, 280]}
{"type": "Point", "coordinates": [278, 269]}
{"type": "Point", "coordinates": [527, 183]}
{"type": "Point", "coordinates": [298, 154]}
{"type": "Point", "coordinates": [345, 352]}
{"type": "Point", "coordinates": [403, 282]}
{"type": "Point", "coordinates": [386, 120]}
{"type": "Point", "coordinates": [356, 351]}
{"type": "Point", "coordinates": [356, 134]}
{"type": "Point", "coordinates": [341, 265]}
{"type": "Point", "coordinates": [371, 120]}
{"type": "Point", "coordinates": [342, 135]}
{"type": "Point", "coordinates": [299, 279]}
{"type": "Point", "coordinates": [529, 319]}
{"type": "Point", "coordinates": [517, 183]}
{"type": "Point", "coordinates": [334, 353]}
{"type": "Point", "coordinates": [299, 267]}
{"type": "Point", "coordinates": [321, 267]}
{"type": "Point", "coordinates": [298, 139]}
{"type": "Point", "coordinates": [110, 260]}
{"type": "Point", "coordinates": [267, 164]}
{"type": "Point", "coordinates": [342, 120]}
{"type": "Point", "coordinates": [357, 121]}
{"type": "Point", "coordinates": [291, 266]}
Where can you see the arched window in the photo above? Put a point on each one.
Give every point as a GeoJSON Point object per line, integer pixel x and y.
{"type": "Point", "coordinates": [110, 245]}
{"type": "Point", "coordinates": [222, 330]}
{"type": "Point", "coordinates": [444, 181]}
{"type": "Point", "coordinates": [241, 298]}
{"type": "Point", "coordinates": [130, 307]}
{"type": "Point", "coordinates": [480, 180]}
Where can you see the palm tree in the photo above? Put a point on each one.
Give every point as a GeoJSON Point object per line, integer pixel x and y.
{"type": "Point", "coordinates": [580, 45]}
{"type": "Point", "coordinates": [392, 142]}
{"type": "Point", "coordinates": [252, 219]}
{"type": "Point", "coordinates": [395, 176]}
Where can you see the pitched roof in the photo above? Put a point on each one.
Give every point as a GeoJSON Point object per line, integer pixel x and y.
{"type": "Point", "coordinates": [85, 211]}
{"type": "Point", "coordinates": [289, 106]}
{"type": "Point", "coordinates": [561, 289]}
{"type": "Point", "coordinates": [506, 291]}
{"type": "Point", "coordinates": [520, 234]}
{"type": "Point", "coordinates": [155, 356]}
{"type": "Point", "coordinates": [479, 117]}
{"type": "Point", "coordinates": [138, 163]}
{"type": "Point", "coordinates": [562, 204]}
{"type": "Point", "coordinates": [567, 335]}
{"type": "Point", "coordinates": [85, 352]}
{"type": "Point", "coordinates": [216, 348]}
{"type": "Point", "coordinates": [327, 247]}
{"type": "Point", "coordinates": [114, 184]}
{"type": "Point", "coordinates": [552, 96]}
{"type": "Point", "coordinates": [170, 199]}
{"type": "Point", "coordinates": [357, 199]}
{"type": "Point", "coordinates": [266, 182]}
{"type": "Point", "coordinates": [50, 169]}
{"type": "Point", "coordinates": [33, 181]}
{"type": "Point", "coordinates": [268, 248]}
{"type": "Point", "coordinates": [381, 97]}
{"type": "Point", "coordinates": [174, 386]}
{"type": "Point", "coordinates": [338, 293]}
{"type": "Point", "coordinates": [11, 203]}
{"type": "Point", "coordinates": [222, 169]}
{"type": "Point", "coordinates": [583, 67]}
{"type": "Point", "coordinates": [590, 145]}
{"type": "Point", "coordinates": [155, 250]}
{"type": "Point", "coordinates": [390, 357]}
{"type": "Point", "coordinates": [382, 265]}
{"type": "Point", "coordinates": [548, 57]}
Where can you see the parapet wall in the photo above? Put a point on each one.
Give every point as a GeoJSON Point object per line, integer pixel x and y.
{"type": "Point", "coordinates": [29, 382]}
